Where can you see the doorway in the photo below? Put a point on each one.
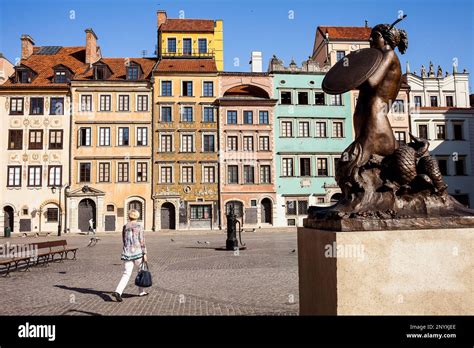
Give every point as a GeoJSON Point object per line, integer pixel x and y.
{"type": "Point", "coordinates": [266, 211]}
{"type": "Point", "coordinates": [8, 217]}
{"type": "Point", "coordinates": [86, 212]}
{"type": "Point", "coordinates": [168, 216]}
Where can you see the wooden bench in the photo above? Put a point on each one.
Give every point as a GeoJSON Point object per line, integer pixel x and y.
{"type": "Point", "coordinates": [15, 260]}
{"type": "Point", "coordinates": [47, 250]}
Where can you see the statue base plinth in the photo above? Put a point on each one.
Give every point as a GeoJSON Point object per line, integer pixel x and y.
{"type": "Point", "coordinates": [401, 272]}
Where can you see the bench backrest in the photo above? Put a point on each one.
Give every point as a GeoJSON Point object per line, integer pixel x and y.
{"type": "Point", "coordinates": [51, 244]}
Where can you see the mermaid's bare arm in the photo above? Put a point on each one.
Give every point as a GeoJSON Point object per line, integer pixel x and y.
{"type": "Point", "coordinates": [378, 76]}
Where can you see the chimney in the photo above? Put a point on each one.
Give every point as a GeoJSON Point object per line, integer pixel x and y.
{"type": "Point", "coordinates": [161, 18]}
{"type": "Point", "coordinates": [92, 53]}
{"type": "Point", "coordinates": [27, 44]}
{"type": "Point", "coordinates": [256, 61]}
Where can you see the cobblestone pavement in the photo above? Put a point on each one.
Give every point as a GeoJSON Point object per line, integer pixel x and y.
{"type": "Point", "coordinates": [190, 277]}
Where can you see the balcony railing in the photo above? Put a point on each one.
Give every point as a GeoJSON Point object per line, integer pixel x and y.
{"type": "Point", "coordinates": [187, 53]}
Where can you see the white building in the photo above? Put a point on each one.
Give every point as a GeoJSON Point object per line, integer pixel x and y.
{"type": "Point", "coordinates": [441, 113]}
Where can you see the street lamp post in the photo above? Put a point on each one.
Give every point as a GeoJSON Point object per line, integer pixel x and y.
{"type": "Point", "coordinates": [53, 189]}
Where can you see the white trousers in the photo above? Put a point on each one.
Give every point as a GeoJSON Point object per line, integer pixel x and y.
{"type": "Point", "coordinates": [127, 273]}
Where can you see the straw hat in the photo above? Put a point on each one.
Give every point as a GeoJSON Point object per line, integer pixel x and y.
{"type": "Point", "coordinates": [133, 214]}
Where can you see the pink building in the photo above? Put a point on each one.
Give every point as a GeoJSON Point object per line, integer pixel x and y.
{"type": "Point", "coordinates": [246, 148]}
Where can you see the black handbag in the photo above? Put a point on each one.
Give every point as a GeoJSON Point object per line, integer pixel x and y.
{"type": "Point", "coordinates": [143, 278]}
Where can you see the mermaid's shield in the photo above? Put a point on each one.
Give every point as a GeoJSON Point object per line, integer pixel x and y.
{"type": "Point", "coordinates": [352, 70]}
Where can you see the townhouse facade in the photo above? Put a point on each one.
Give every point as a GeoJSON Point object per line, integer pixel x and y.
{"type": "Point", "coordinates": [441, 113]}
{"type": "Point", "coordinates": [6, 69]}
{"type": "Point", "coordinates": [246, 148]}
{"type": "Point", "coordinates": [311, 130]}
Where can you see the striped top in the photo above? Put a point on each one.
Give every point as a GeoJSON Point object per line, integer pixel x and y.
{"type": "Point", "coordinates": [133, 241]}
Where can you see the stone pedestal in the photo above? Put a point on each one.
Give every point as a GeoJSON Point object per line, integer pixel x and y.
{"type": "Point", "coordinates": [402, 272]}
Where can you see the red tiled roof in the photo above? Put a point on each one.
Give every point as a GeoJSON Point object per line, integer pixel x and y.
{"type": "Point", "coordinates": [118, 68]}
{"type": "Point", "coordinates": [187, 65]}
{"type": "Point", "coordinates": [347, 33]}
{"type": "Point", "coordinates": [187, 25]}
{"type": "Point", "coordinates": [42, 64]}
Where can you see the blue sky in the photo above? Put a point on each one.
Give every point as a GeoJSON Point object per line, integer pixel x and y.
{"type": "Point", "coordinates": [437, 30]}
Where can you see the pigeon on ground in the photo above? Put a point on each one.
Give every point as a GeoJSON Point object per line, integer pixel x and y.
{"type": "Point", "coordinates": [172, 239]}
{"type": "Point", "coordinates": [199, 242]}
{"type": "Point", "coordinates": [206, 242]}
{"type": "Point", "coordinates": [37, 234]}
{"type": "Point", "coordinates": [293, 250]}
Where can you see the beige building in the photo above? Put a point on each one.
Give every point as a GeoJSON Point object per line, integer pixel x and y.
{"type": "Point", "coordinates": [6, 69]}
{"type": "Point", "coordinates": [111, 133]}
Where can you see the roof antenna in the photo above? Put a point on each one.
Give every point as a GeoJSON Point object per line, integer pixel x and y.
{"type": "Point", "coordinates": [397, 21]}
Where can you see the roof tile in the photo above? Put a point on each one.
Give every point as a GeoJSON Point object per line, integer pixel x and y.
{"type": "Point", "coordinates": [187, 65]}
{"type": "Point", "coordinates": [347, 33]}
{"type": "Point", "coordinates": [187, 25]}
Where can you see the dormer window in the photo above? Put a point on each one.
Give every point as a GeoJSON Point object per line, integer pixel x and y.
{"type": "Point", "coordinates": [60, 76]}
{"type": "Point", "coordinates": [23, 75]}
{"type": "Point", "coordinates": [133, 72]}
{"type": "Point", "coordinates": [100, 73]}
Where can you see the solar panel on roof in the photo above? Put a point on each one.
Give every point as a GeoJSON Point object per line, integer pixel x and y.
{"type": "Point", "coordinates": [49, 50]}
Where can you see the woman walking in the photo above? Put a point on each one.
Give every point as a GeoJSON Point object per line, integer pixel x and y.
{"type": "Point", "coordinates": [134, 252]}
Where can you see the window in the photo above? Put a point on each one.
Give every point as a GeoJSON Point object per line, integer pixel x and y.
{"type": "Point", "coordinates": [398, 106]}
{"type": "Point", "coordinates": [54, 176]}
{"type": "Point", "coordinates": [142, 172]}
{"type": "Point", "coordinates": [15, 139]}
{"type": "Point", "coordinates": [14, 176]}
{"type": "Point", "coordinates": [248, 117]}
{"type": "Point", "coordinates": [401, 137]}
{"type": "Point", "coordinates": [231, 117]}
{"type": "Point", "coordinates": [264, 143]}
{"type": "Point", "coordinates": [202, 45]}
{"type": "Point", "coordinates": [302, 207]}
{"type": "Point", "coordinates": [123, 136]}
{"type": "Point", "coordinates": [423, 131]}
{"type": "Point", "coordinates": [138, 206]}
{"type": "Point", "coordinates": [287, 167]}
{"type": "Point", "coordinates": [36, 106]}
{"type": "Point", "coordinates": [187, 46]}
{"type": "Point", "coordinates": [52, 214]}
{"type": "Point", "coordinates": [133, 72]}
{"type": "Point", "coordinates": [56, 139]}
{"type": "Point", "coordinates": [24, 76]}
{"type": "Point", "coordinates": [440, 131]}
{"type": "Point", "coordinates": [291, 207]}
{"type": "Point", "coordinates": [122, 172]}
{"type": "Point", "coordinates": [57, 106]}
{"type": "Point", "coordinates": [460, 166]}
{"type": "Point", "coordinates": [248, 143]}
{"type": "Point", "coordinates": [209, 174]}
{"type": "Point", "coordinates": [417, 100]}
{"type": "Point", "coordinates": [105, 102]}
{"type": "Point", "coordinates": [322, 167]}
{"type": "Point", "coordinates": [60, 76]}
{"type": "Point", "coordinates": [101, 72]}
{"type": "Point", "coordinates": [340, 55]}
{"type": "Point", "coordinates": [265, 174]}
{"type": "Point", "coordinates": [285, 98]}
{"type": "Point", "coordinates": [187, 143]}
{"type": "Point", "coordinates": [142, 136]}
{"type": "Point", "coordinates": [104, 172]}
{"type": "Point", "coordinates": [336, 100]}
{"type": "Point", "coordinates": [303, 98]}
{"type": "Point", "coordinates": [208, 143]}
{"type": "Point", "coordinates": [85, 136]}
{"type": "Point", "coordinates": [458, 133]}
{"type": "Point", "coordinates": [449, 100]}
{"type": "Point", "coordinates": [286, 129]}
{"type": "Point", "coordinates": [232, 174]}
{"type": "Point", "coordinates": [303, 129]}
{"type": "Point", "coordinates": [319, 98]}
{"type": "Point", "coordinates": [166, 143]}
{"type": "Point", "coordinates": [34, 176]}
{"type": "Point", "coordinates": [166, 89]}
{"type": "Point", "coordinates": [291, 222]}
{"type": "Point", "coordinates": [208, 115]}
{"type": "Point", "coordinates": [208, 88]}
{"type": "Point", "coordinates": [142, 103]}
{"type": "Point", "coordinates": [124, 102]}
{"type": "Point", "coordinates": [84, 172]}
{"type": "Point", "coordinates": [86, 102]}
{"type": "Point", "coordinates": [434, 100]}
{"type": "Point", "coordinates": [166, 114]}
{"type": "Point", "coordinates": [263, 117]}
{"type": "Point", "coordinates": [166, 175]}
{"type": "Point", "coordinates": [321, 130]}
{"type": "Point", "coordinates": [104, 136]}
{"type": "Point", "coordinates": [443, 166]}
{"type": "Point", "coordinates": [110, 207]}
{"type": "Point", "coordinates": [187, 114]}
{"type": "Point", "coordinates": [305, 166]}
{"type": "Point", "coordinates": [187, 89]}
{"type": "Point", "coordinates": [249, 175]}
{"type": "Point", "coordinates": [337, 131]}
{"type": "Point", "coordinates": [172, 45]}
{"type": "Point", "coordinates": [337, 161]}
{"type": "Point", "coordinates": [36, 140]}
{"type": "Point", "coordinates": [16, 106]}
{"type": "Point", "coordinates": [201, 212]}
{"type": "Point", "coordinates": [187, 174]}
{"type": "Point", "coordinates": [232, 143]}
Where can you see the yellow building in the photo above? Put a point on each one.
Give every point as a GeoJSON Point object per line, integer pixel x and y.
{"type": "Point", "coordinates": [198, 38]}
{"type": "Point", "coordinates": [185, 139]}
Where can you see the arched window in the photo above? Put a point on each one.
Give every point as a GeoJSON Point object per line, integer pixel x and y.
{"type": "Point", "coordinates": [138, 206]}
